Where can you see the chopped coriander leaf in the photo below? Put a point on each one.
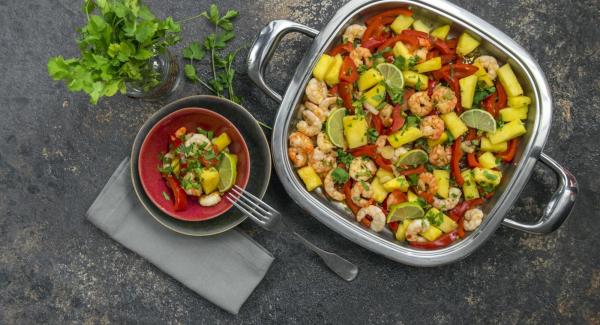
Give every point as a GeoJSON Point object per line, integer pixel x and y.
{"type": "Point", "coordinates": [499, 123]}
{"type": "Point", "coordinates": [339, 176]}
{"type": "Point", "coordinates": [364, 185]}
{"type": "Point", "coordinates": [344, 157]}
{"type": "Point", "coordinates": [412, 61]}
{"type": "Point", "coordinates": [481, 93]}
{"type": "Point", "coordinates": [413, 179]}
{"type": "Point", "coordinates": [396, 95]}
{"type": "Point", "coordinates": [399, 62]}
{"type": "Point", "coordinates": [489, 175]}
{"type": "Point", "coordinates": [435, 219]}
{"type": "Point", "coordinates": [166, 196]}
{"type": "Point", "coordinates": [412, 121]}
{"type": "Point", "coordinates": [418, 84]}
{"type": "Point", "coordinates": [372, 135]}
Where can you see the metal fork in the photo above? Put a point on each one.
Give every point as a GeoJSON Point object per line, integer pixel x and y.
{"type": "Point", "coordinates": [270, 219]}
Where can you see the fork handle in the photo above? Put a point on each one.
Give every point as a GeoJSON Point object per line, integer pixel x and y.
{"type": "Point", "coordinates": [340, 266]}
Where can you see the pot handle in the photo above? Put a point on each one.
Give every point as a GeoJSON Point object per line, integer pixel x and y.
{"type": "Point", "coordinates": [560, 205]}
{"type": "Point", "coordinates": [264, 46]}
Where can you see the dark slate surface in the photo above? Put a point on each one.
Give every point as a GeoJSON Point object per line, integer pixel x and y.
{"type": "Point", "coordinates": [57, 151]}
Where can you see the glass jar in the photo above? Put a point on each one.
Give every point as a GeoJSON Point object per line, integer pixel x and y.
{"type": "Point", "coordinates": [162, 76]}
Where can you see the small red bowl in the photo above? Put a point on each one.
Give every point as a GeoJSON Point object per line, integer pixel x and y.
{"type": "Point", "coordinates": [157, 142]}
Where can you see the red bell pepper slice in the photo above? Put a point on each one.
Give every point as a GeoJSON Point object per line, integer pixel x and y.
{"type": "Point", "coordinates": [377, 123]}
{"type": "Point", "coordinates": [418, 170]}
{"type": "Point", "coordinates": [348, 194]}
{"type": "Point", "coordinates": [369, 150]}
{"type": "Point", "coordinates": [178, 194]}
{"type": "Point", "coordinates": [342, 49]}
{"type": "Point", "coordinates": [441, 242]}
{"type": "Point", "coordinates": [390, 14]}
{"type": "Point", "coordinates": [460, 230]}
{"type": "Point", "coordinates": [501, 103]}
{"type": "Point", "coordinates": [458, 211]}
{"type": "Point", "coordinates": [442, 47]}
{"type": "Point", "coordinates": [175, 142]}
{"type": "Point", "coordinates": [372, 43]}
{"type": "Point", "coordinates": [396, 197]}
{"type": "Point", "coordinates": [383, 163]}
{"type": "Point", "coordinates": [333, 90]}
{"type": "Point", "coordinates": [398, 119]}
{"type": "Point", "coordinates": [375, 30]}
{"type": "Point", "coordinates": [511, 151]}
{"type": "Point", "coordinates": [345, 90]}
{"type": "Point", "coordinates": [475, 202]}
{"type": "Point", "coordinates": [472, 160]}
{"type": "Point", "coordinates": [430, 86]}
{"type": "Point", "coordinates": [348, 73]}
{"type": "Point", "coordinates": [393, 226]}
{"type": "Point", "coordinates": [489, 103]}
{"type": "Point", "coordinates": [457, 154]}
{"type": "Point", "coordinates": [210, 162]}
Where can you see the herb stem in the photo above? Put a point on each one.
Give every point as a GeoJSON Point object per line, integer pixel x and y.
{"type": "Point", "coordinates": [190, 18]}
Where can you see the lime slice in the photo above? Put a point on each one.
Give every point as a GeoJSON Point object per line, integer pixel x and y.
{"type": "Point", "coordinates": [405, 210]}
{"type": "Point", "coordinates": [413, 157]}
{"type": "Point", "coordinates": [479, 119]}
{"type": "Point", "coordinates": [392, 75]}
{"type": "Point", "coordinates": [227, 172]}
{"type": "Point", "coordinates": [335, 127]}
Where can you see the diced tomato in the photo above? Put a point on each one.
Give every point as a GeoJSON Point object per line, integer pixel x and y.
{"type": "Point", "coordinates": [348, 73]}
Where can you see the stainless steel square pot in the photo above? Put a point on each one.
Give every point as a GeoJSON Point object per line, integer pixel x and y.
{"type": "Point", "coordinates": [335, 215]}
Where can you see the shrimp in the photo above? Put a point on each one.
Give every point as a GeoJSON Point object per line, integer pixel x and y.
{"type": "Point", "coordinates": [316, 91]}
{"type": "Point", "coordinates": [468, 146]}
{"type": "Point", "coordinates": [323, 142]}
{"type": "Point", "coordinates": [420, 103]}
{"type": "Point", "coordinates": [440, 156]}
{"type": "Point", "coordinates": [328, 102]}
{"type": "Point", "coordinates": [473, 219]}
{"type": "Point", "coordinates": [376, 213]}
{"type": "Point", "coordinates": [180, 132]}
{"type": "Point", "coordinates": [317, 110]}
{"type": "Point", "coordinates": [449, 203]}
{"type": "Point", "coordinates": [490, 64]}
{"type": "Point", "coordinates": [353, 32]}
{"type": "Point", "coordinates": [421, 54]}
{"type": "Point", "coordinates": [199, 139]}
{"type": "Point", "coordinates": [301, 147]}
{"type": "Point", "coordinates": [386, 115]}
{"type": "Point", "coordinates": [193, 188]}
{"type": "Point", "coordinates": [427, 184]}
{"type": "Point", "coordinates": [383, 149]}
{"type": "Point", "coordinates": [360, 192]}
{"type": "Point", "coordinates": [399, 152]}
{"type": "Point", "coordinates": [415, 227]}
{"type": "Point", "coordinates": [210, 200]}
{"type": "Point", "coordinates": [311, 125]}
{"type": "Point", "coordinates": [330, 188]}
{"type": "Point", "coordinates": [432, 127]}
{"type": "Point", "coordinates": [322, 162]}
{"type": "Point", "coordinates": [360, 56]}
{"type": "Point", "coordinates": [444, 99]}
{"type": "Point", "coordinates": [362, 169]}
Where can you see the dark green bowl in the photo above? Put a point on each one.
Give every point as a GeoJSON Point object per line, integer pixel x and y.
{"type": "Point", "coordinates": [260, 158]}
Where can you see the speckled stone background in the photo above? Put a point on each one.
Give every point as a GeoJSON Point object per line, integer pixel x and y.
{"type": "Point", "coordinates": [57, 151]}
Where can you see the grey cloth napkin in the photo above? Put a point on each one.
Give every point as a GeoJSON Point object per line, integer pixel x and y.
{"type": "Point", "coordinates": [224, 268]}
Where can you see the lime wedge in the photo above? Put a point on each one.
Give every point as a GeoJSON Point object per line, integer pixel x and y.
{"type": "Point", "coordinates": [405, 210]}
{"type": "Point", "coordinates": [413, 157]}
{"type": "Point", "coordinates": [227, 172]}
{"type": "Point", "coordinates": [391, 75]}
{"type": "Point", "coordinates": [335, 127]}
{"type": "Point", "coordinates": [479, 119]}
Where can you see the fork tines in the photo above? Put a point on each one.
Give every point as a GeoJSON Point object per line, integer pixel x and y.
{"type": "Point", "coordinates": [250, 205]}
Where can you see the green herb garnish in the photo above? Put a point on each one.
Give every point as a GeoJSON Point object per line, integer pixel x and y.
{"type": "Point", "coordinates": [339, 176]}
{"type": "Point", "coordinates": [166, 196]}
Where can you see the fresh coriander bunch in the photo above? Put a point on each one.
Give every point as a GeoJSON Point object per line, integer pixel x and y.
{"type": "Point", "coordinates": [116, 44]}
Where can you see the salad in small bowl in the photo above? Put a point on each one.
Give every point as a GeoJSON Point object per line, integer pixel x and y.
{"type": "Point", "coordinates": [189, 160]}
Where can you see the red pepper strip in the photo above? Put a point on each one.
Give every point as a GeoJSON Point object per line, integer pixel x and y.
{"type": "Point", "coordinates": [447, 58]}
{"type": "Point", "coordinates": [345, 90]}
{"type": "Point", "coordinates": [472, 135]}
{"type": "Point", "coordinates": [432, 54]}
{"type": "Point", "coordinates": [510, 153]}
{"type": "Point", "coordinates": [398, 119]}
{"type": "Point", "coordinates": [431, 86]}
{"type": "Point", "coordinates": [475, 202]}
{"type": "Point", "coordinates": [458, 211]}
{"type": "Point", "coordinates": [454, 162]}
{"type": "Point", "coordinates": [333, 90]}
{"type": "Point", "coordinates": [489, 103]}
{"type": "Point", "coordinates": [390, 14]}
{"type": "Point", "coordinates": [489, 195]}
{"type": "Point", "coordinates": [501, 97]}
{"type": "Point", "coordinates": [442, 47]}
{"type": "Point", "coordinates": [369, 150]}
{"type": "Point", "coordinates": [372, 43]}
{"type": "Point", "coordinates": [175, 142]}
{"type": "Point", "coordinates": [441, 242]}
{"type": "Point", "coordinates": [377, 123]}
{"type": "Point", "coordinates": [366, 222]}
{"type": "Point", "coordinates": [348, 194]}
{"type": "Point", "coordinates": [383, 163]}
{"type": "Point", "coordinates": [342, 49]}
{"type": "Point", "coordinates": [412, 41]}
{"type": "Point", "coordinates": [348, 72]}
{"type": "Point", "coordinates": [428, 197]}
{"type": "Point", "coordinates": [393, 226]}
{"type": "Point", "coordinates": [452, 44]}
{"type": "Point", "coordinates": [374, 30]}
{"type": "Point", "coordinates": [178, 193]}
{"type": "Point", "coordinates": [460, 231]}
{"type": "Point", "coordinates": [396, 197]}
{"type": "Point", "coordinates": [418, 170]}
{"type": "Point", "coordinates": [472, 160]}
{"type": "Point", "coordinates": [459, 71]}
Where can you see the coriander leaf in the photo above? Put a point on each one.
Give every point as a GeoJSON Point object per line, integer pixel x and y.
{"type": "Point", "coordinates": [193, 51]}
{"type": "Point", "coordinates": [339, 176]}
{"type": "Point", "coordinates": [58, 68]}
{"type": "Point", "coordinates": [372, 135]}
{"type": "Point", "coordinates": [230, 14]}
{"type": "Point", "coordinates": [145, 13]}
{"type": "Point", "coordinates": [344, 157]}
{"type": "Point", "coordinates": [145, 31]}
{"type": "Point", "coordinates": [213, 14]}
{"type": "Point", "coordinates": [190, 72]}
{"type": "Point", "coordinates": [166, 196]}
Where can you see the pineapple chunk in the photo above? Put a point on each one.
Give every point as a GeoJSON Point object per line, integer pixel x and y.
{"type": "Point", "coordinates": [310, 178]}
